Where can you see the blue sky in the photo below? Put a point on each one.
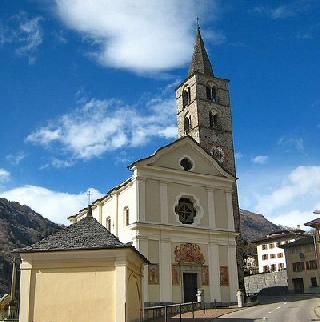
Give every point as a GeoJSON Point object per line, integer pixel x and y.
{"type": "Point", "coordinates": [88, 88]}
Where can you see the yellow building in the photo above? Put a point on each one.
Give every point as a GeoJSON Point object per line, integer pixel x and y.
{"type": "Point", "coordinates": [302, 266]}
{"type": "Point", "coordinates": [82, 273]}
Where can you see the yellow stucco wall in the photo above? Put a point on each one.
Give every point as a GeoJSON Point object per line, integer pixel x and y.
{"type": "Point", "coordinates": [81, 286]}
{"type": "Point", "coordinates": [134, 293]}
{"type": "Point", "coordinates": [73, 295]}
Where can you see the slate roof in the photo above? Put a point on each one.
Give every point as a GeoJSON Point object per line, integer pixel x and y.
{"type": "Point", "coordinates": [280, 234]}
{"type": "Point", "coordinates": [313, 223]}
{"type": "Point", "coordinates": [85, 234]}
{"type": "Point", "coordinates": [308, 239]}
{"type": "Point", "coordinates": [200, 60]}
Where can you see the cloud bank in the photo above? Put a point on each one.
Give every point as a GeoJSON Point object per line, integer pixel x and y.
{"type": "Point", "coordinates": [4, 175]}
{"type": "Point", "coordinates": [293, 201]}
{"type": "Point", "coordinates": [98, 126]}
{"type": "Point", "coordinates": [54, 205]}
{"type": "Point", "coordinates": [144, 35]}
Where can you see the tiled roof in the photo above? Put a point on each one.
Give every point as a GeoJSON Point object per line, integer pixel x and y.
{"type": "Point", "coordinates": [86, 234]}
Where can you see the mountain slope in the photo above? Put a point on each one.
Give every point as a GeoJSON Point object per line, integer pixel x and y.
{"type": "Point", "coordinates": [20, 226]}
{"type": "Point", "coordinates": [254, 226]}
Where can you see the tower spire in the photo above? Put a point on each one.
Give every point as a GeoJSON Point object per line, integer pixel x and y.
{"type": "Point", "coordinates": [200, 60]}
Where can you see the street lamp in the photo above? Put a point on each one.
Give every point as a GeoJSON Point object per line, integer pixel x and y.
{"type": "Point", "coordinates": [316, 212]}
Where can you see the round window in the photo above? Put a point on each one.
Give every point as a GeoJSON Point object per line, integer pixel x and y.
{"type": "Point", "coordinates": [186, 164]}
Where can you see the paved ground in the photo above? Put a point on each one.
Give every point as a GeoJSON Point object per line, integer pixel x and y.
{"type": "Point", "coordinates": [278, 309]}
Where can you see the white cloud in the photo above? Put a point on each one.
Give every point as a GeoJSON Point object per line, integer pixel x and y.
{"type": "Point", "coordinates": [294, 217]}
{"type": "Point", "coordinates": [260, 159]}
{"type": "Point", "coordinates": [16, 158]}
{"type": "Point", "coordinates": [292, 143]}
{"type": "Point", "coordinates": [98, 126]}
{"type": "Point", "coordinates": [4, 175]}
{"type": "Point", "coordinates": [23, 32]}
{"type": "Point", "coordinates": [144, 35]}
{"type": "Point", "coordinates": [54, 205]}
{"type": "Point", "coordinates": [293, 199]}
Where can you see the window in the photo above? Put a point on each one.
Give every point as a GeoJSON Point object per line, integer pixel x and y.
{"type": "Point", "coordinates": [186, 96]}
{"type": "Point", "coordinates": [311, 265]}
{"type": "Point", "coordinates": [126, 215]}
{"type": "Point", "coordinates": [314, 282]}
{"type": "Point", "coordinates": [264, 246]}
{"type": "Point", "coordinates": [273, 267]}
{"type": "Point", "coordinates": [212, 119]}
{"type": "Point", "coordinates": [280, 255]}
{"type": "Point", "coordinates": [186, 164]}
{"type": "Point", "coordinates": [211, 93]}
{"type": "Point", "coordinates": [266, 269]}
{"type": "Point", "coordinates": [186, 211]}
{"type": "Point", "coordinates": [264, 256]}
{"type": "Point", "coordinates": [277, 244]}
{"type": "Point", "coordinates": [280, 266]}
{"type": "Point", "coordinates": [271, 245]}
{"type": "Point", "coordinates": [187, 123]}
{"type": "Point", "coordinates": [272, 255]}
{"type": "Point", "coordinates": [108, 223]}
{"type": "Point", "coordinates": [298, 266]}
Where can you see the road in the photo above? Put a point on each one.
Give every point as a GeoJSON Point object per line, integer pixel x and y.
{"type": "Point", "coordinates": [278, 309]}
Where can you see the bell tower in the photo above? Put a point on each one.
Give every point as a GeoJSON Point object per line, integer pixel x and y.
{"type": "Point", "coordinates": [204, 113]}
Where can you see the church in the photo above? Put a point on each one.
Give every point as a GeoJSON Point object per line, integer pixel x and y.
{"type": "Point", "coordinates": [180, 207]}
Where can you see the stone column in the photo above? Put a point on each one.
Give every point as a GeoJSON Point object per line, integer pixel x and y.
{"type": "Point", "coordinates": [214, 272]}
{"type": "Point", "coordinates": [165, 271]}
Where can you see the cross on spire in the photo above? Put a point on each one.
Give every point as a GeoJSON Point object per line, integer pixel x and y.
{"type": "Point", "coordinates": [89, 196]}
{"type": "Point", "coordinates": [198, 24]}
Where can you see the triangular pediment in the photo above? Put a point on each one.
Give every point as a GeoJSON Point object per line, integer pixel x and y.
{"type": "Point", "coordinates": [170, 156]}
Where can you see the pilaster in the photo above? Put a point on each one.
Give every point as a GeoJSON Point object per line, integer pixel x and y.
{"type": "Point", "coordinates": [141, 199]}
{"type": "Point", "coordinates": [164, 202]}
{"type": "Point", "coordinates": [230, 210]}
{"type": "Point", "coordinates": [214, 272]}
{"type": "Point", "coordinates": [233, 273]}
{"type": "Point", "coordinates": [121, 291]}
{"type": "Point", "coordinates": [211, 209]}
{"type": "Point", "coordinates": [165, 271]}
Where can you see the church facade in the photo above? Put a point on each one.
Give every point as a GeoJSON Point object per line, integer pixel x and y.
{"type": "Point", "coordinates": [179, 208]}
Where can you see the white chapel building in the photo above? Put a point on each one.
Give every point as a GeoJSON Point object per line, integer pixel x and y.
{"type": "Point", "coordinates": [179, 208]}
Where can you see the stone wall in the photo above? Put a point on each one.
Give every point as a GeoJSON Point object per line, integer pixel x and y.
{"type": "Point", "coordinates": [255, 283]}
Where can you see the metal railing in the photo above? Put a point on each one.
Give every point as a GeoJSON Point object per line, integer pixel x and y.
{"type": "Point", "coordinates": [164, 313]}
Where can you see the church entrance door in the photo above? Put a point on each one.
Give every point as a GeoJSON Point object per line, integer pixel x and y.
{"type": "Point", "coordinates": [190, 287]}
